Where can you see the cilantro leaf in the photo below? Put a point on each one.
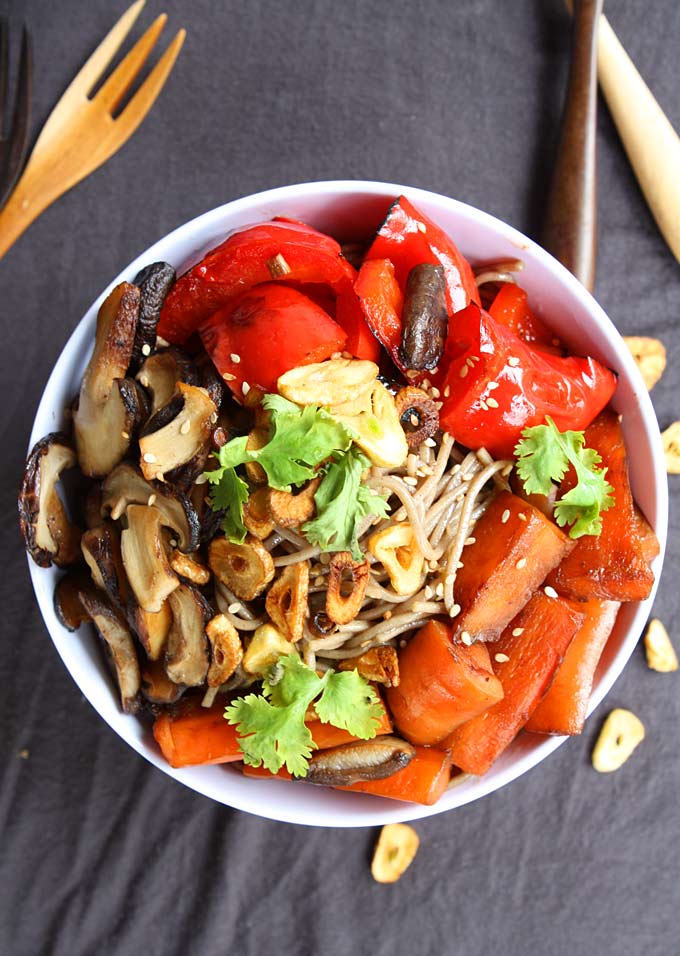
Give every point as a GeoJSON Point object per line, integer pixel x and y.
{"type": "Point", "coordinates": [342, 501]}
{"type": "Point", "coordinates": [229, 492]}
{"type": "Point", "coordinates": [544, 455]}
{"type": "Point", "coordinates": [272, 724]}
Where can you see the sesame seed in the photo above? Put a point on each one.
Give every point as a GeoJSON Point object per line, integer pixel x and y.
{"type": "Point", "coordinates": [245, 388]}
{"type": "Point", "coordinates": [492, 385]}
{"type": "Point", "coordinates": [415, 421]}
{"type": "Point", "coordinates": [516, 631]}
{"type": "Point", "coordinates": [550, 592]}
{"type": "Point", "coordinates": [422, 227]}
{"type": "Point", "coordinates": [235, 607]}
{"type": "Point", "coordinates": [470, 540]}
{"type": "Point", "coordinates": [410, 481]}
{"type": "Point", "coordinates": [144, 381]}
{"type": "Point", "coordinates": [463, 372]}
{"type": "Point", "coordinates": [439, 590]}
{"type": "Point", "coordinates": [491, 402]}
{"type": "Point", "coordinates": [235, 358]}
{"type": "Point", "coordinates": [425, 383]}
{"type": "Point", "coordinates": [435, 392]}
{"type": "Point", "coordinates": [438, 405]}
{"type": "Point", "coordinates": [173, 542]}
{"type": "Point", "coordinates": [469, 362]}
{"type": "Point", "coordinates": [447, 391]}
{"type": "Point", "coordinates": [455, 610]}
{"type": "Point", "coordinates": [522, 516]}
{"type": "Point", "coordinates": [201, 480]}
{"type": "Point", "coordinates": [433, 565]}
{"type": "Point", "coordinates": [428, 592]}
{"type": "Point", "coordinates": [151, 500]}
{"type": "Point", "coordinates": [228, 377]}
{"type": "Point", "coordinates": [508, 468]}
{"type": "Point", "coordinates": [184, 427]}
{"type": "Point", "coordinates": [476, 358]}
{"type": "Point", "coordinates": [149, 458]}
{"type": "Point", "coordinates": [460, 565]}
{"type": "Point", "coordinates": [484, 405]}
{"type": "Point", "coordinates": [161, 343]}
{"type": "Point", "coordinates": [146, 349]}
{"type": "Point", "coordinates": [522, 563]}
{"type": "Point", "coordinates": [430, 442]}
{"type": "Point", "coordinates": [387, 615]}
{"type": "Point", "coordinates": [465, 638]}
{"type": "Point", "coordinates": [513, 361]}
{"type": "Point", "coordinates": [125, 435]}
{"type": "Point", "coordinates": [505, 516]}
{"type": "Point", "coordinates": [501, 658]}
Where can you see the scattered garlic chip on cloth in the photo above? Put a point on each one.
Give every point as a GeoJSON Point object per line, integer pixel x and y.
{"type": "Point", "coordinates": [671, 446]}
{"type": "Point", "coordinates": [397, 845]}
{"type": "Point", "coordinates": [621, 732]}
{"type": "Point", "coordinates": [650, 357]}
{"type": "Point", "coordinates": [660, 652]}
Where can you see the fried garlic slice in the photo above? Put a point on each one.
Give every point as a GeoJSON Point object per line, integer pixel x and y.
{"type": "Point", "coordinates": [660, 652]}
{"type": "Point", "coordinates": [394, 852]}
{"type": "Point", "coordinates": [621, 732]}
{"type": "Point", "coordinates": [650, 357]}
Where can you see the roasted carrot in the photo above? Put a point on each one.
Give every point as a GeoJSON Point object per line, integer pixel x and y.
{"type": "Point", "coordinates": [441, 685]}
{"type": "Point", "coordinates": [424, 780]}
{"type": "Point", "coordinates": [563, 709]}
{"type": "Point", "coordinates": [203, 736]}
{"type": "Point", "coordinates": [531, 649]}
{"type": "Point", "coordinates": [612, 566]}
{"type": "Point", "coordinates": [515, 547]}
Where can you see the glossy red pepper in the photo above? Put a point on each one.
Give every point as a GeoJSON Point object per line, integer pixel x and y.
{"type": "Point", "coordinates": [495, 385]}
{"type": "Point", "coordinates": [246, 259]}
{"type": "Point", "coordinates": [381, 300]}
{"type": "Point", "coordinates": [408, 238]}
{"type": "Point", "coordinates": [511, 308]}
{"type": "Point", "coordinates": [265, 332]}
{"type": "Point", "coordinates": [361, 342]}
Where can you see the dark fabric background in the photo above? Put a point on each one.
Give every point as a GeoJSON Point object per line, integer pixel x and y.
{"type": "Point", "coordinates": [101, 853]}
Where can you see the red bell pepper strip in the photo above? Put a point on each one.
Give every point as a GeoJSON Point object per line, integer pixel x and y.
{"type": "Point", "coordinates": [246, 259]}
{"type": "Point", "coordinates": [267, 331]}
{"type": "Point", "coordinates": [511, 308]}
{"type": "Point", "coordinates": [381, 300]}
{"type": "Point", "coordinates": [408, 238]}
{"type": "Point", "coordinates": [361, 342]}
{"type": "Point", "coordinates": [496, 385]}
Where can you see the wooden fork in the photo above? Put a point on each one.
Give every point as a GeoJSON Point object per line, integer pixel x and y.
{"type": "Point", "coordinates": [82, 133]}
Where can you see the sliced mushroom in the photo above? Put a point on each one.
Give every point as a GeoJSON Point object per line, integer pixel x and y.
{"type": "Point", "coordinates": [246, 569]}
{"type": "Point", "coordinates": [151, 627]}
{"type": "Point", "coordinates": [424, 317]}
{"type": "Point", "coordinates": [347, 581]}
{"type": "Point", "coordinates": [161, 372]}
{"type": "Point", "coordinates": [418, 415]}
{"type": "Point", "coordinates": [157, 688]}
{"type": "Point", "coordinates": [290, 510]}
{"type": "Point", "coordinates": [48, 534]}
{"type": "Point", "coordinates": [186, 654]}
{"type": "Point", "coordinates": [120, 647]}
{"type": "Point", "coordinates": [101, 550]}
{"type": "Point", "coordinates": [209, 379]}
{"type": "Point", "coordinates": [67, 603]}
{"type": "Point", "coordinates": [109, 405]}
{"type": "Point", "coordinates": [144, 557]}
{"type": "Point", "coordinates": [364, 760]}
{"type": "Point", "coordinates": [154, 282]}
{"type": "Point", "coordinates": [92, 506]}
{"type": "Point", "coordinates": [286, 601]}
{"type": "Point", "coordinates": [379, 664]}
{"type": "Point", "coordinates": [179, 435]}
{"type": "Point", "coordinates": [126, 485]}
{"type": "Point", "coordinates": [226, 651]}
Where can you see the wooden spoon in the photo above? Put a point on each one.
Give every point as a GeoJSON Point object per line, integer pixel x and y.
{"type": "Point", "coordinates": [570, 230]}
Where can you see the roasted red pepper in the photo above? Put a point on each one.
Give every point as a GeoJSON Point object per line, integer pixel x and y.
{"type": "Point", "coordinates": [408, 238]}
{"type": "Point", "coordinates": [276, 250]}
{"type": "Point", "coordinates": [267, 331]}
{"type": "Point", "coordinates": [361, 342]}
{"type": "Point", "coordinates": [496, 385]}
{"type": "Point", "coordinates": [511, 308]}
{"type": "Point", "coordinates": [381, 300]}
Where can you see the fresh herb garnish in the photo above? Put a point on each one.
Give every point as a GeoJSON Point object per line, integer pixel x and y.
{"type": "Point", "coordinates": [302, 439]}
{"type": "Point", "coordinates": [272, 724]}
{"type": "Point", "coordinates": [543, 456]}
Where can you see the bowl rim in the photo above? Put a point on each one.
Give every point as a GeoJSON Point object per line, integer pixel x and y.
{"type": "Point", "coordinates": [367, 810]}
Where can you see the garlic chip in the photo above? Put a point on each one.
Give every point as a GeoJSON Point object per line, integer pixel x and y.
{"type": "Point", "coordinates": [660, 652]}
{"type": "Point", "coordinates": [621, 732]}
{"type": "Point", "coordinates": [671, 446]}
{"type": "Point", "coordinates": [650, 357]}
{"type": "Point", "coordinates": [397, 845]}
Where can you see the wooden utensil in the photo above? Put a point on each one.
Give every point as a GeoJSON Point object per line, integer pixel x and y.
{"type": "Point", "coordinates": [82, 133]}
{"type": "Point", "coordinates": [570, 229]}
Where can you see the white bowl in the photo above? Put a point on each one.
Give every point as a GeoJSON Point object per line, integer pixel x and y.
{"type": "Point", "coordinates": [346, 209]}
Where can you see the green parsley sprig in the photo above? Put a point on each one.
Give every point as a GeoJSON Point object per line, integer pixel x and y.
{"type": "Point", "coordinates": [544, 455]}
{"type": "Point", "coordinates": [272, 724]}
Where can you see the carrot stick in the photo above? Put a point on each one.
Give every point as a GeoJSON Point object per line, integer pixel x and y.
{"type": "Point", "coordinates": [424, 780]}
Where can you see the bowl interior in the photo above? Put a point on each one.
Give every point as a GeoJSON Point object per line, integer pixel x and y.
{"type": "Point", "coordinates": [349, 210]}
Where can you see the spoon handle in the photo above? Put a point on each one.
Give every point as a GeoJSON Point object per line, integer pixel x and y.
{"type": "Point", "coordinates": [570, 230]}
{"type": "Point", "coordinates": [652, 145]}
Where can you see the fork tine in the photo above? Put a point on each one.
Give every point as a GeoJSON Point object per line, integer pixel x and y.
{"type": "Point", "coordinates": [18, 137]}
{"type": "Point", "coordinates": [4, 69]}
{"type": "Point", "coordinates": [145, 97]}
{"type": "Point", "coordinates": [116, 86]}
{"type": "Point", "coordinates": [105, 52]}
